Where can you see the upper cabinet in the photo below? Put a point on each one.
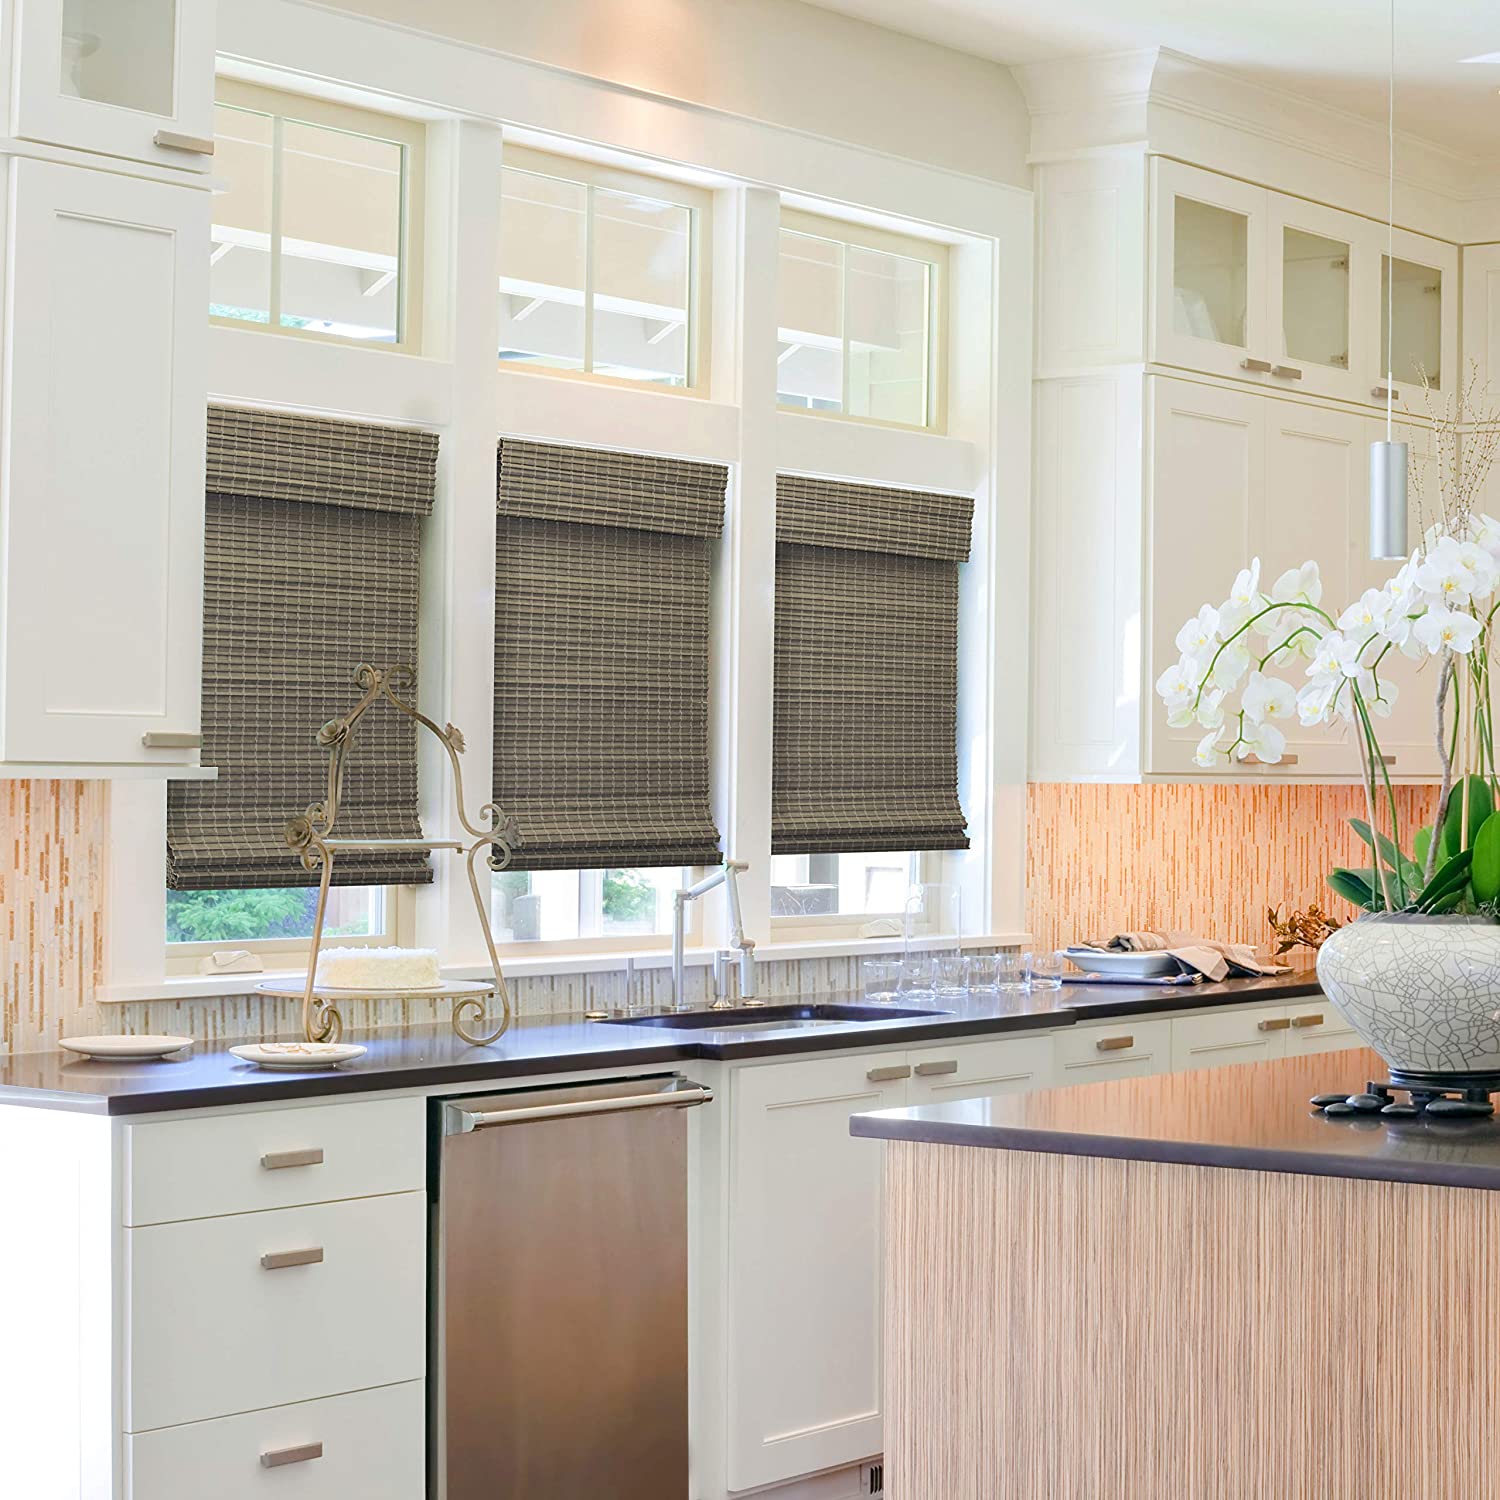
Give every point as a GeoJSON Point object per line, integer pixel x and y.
{"type": "Point", "coordinates": [1291, 295]}
{"type": "Point", "coordinates": [123, 78]}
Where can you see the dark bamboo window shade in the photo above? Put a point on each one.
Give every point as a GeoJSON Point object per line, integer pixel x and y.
{"type": "Point", "coordinates": [602, 596]}
{"type": "Point", "coordinates": [865, 724]}
{"type": "Point", "coordinates": [311, 560]}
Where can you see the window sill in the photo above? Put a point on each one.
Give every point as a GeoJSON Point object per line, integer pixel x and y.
{"type": "Point", "coordinates": [201, 987]}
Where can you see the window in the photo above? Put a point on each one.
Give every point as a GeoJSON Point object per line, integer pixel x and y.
{"type": "Point", "coordinates": [215, 918]}
{"type": "Point", "coordinates": [827, 885]}
{"type": "Point", "coordinates": [559, 906]}
{"type": "Point", "coordinates": [860, 322]}
{"type": "Point", "coordinates": [316, 233]}
{"type": "Point", "coordinates": [600, 272]}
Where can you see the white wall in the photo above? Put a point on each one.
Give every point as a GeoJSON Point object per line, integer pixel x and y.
{"type": "Point", "coordinates": [774, 60]}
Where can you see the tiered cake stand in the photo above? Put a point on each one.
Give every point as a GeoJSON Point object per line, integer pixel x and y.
{"type": "Point", "coordinates": [312, 836]}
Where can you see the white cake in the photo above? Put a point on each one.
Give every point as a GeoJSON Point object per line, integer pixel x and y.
{"type": "Point", "coordinates": [378, 968]}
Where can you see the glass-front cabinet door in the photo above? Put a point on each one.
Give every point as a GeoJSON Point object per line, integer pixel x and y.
{"type": "Point", "coordinates": [124, 78]}
{"type": "Point", "coordinates": [1320, 274]}
{"type": "Point", "coordinates": [1418, 313]}
{"type": "Point", "coordinates": [1209, 257]}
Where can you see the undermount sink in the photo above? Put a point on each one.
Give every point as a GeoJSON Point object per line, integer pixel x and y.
{"type": "Point", "coordinates": [775, 1017]}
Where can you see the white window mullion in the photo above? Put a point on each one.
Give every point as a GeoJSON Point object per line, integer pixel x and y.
{"type": "Point", "coordinates": [588, 281]}
{"type": "Point", "coordinates": [273, 314]}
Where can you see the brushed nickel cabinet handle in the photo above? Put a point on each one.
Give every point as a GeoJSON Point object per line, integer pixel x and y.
{"type": "Point", "coordinates": [1277, 1023]}
{"type": "Point", "coordinates": [1389, 760]}
{"type": "Point", "coordinates": [932, 1069]}
{"type": "Point", "coordinates": [1314, 1020]}
{"type": "Point", "coordinates": [162, 740]}
{"type": "Point", "coordinates": [281, 1259]}
{"type": "Point", "coordinates": [274, 1161]}
{"type": "Point", "coordinates": [887, 1075]}
{"type": "Point", "coordinates": [1255, 760]}
{"type": "Point", "coordinates": [1286, 372]}
{"type": "Point", "coordinates": [1380, 392]}
{"type": "Point", "coordinates": [1114, 1043]}
{"type": "Point", "coordinates": [1256, 366]}
{"type": "Point", "coordinates": [277, 1457]}
{"type": "Point", "coordinates": [175, 140]}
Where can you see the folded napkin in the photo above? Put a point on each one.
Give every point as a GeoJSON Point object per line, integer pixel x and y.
{"type": "Point", "coordinates": [1196, 955]}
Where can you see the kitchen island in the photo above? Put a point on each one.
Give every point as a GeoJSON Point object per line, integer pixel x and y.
{"type": "Point", "coordinates": [1190, 1285]}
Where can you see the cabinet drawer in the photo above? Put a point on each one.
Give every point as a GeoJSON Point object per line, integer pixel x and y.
{"type": "Point", "coordinates": [961, 1069]}
{"type": "Point", "coordinates": [1317, 1027]}
{"type": "Point", "coordinates": [370, 1445]}
{"type": "Point", "coordinates": [217, 1325]}
{"type": "Point", "coordinates": [1233, 1035]}
{"type": "Point", "coordinates": [1122, 1048]}
{"type": "Point", "coordinates": [231, 1164]}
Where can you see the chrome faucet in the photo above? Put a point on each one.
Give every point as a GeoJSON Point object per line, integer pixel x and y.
{"type": "Point", "coordinates": [725, 876]}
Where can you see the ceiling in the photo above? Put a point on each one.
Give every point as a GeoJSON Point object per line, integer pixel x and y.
{"type": "Point", "coordinates": [1337, 51]}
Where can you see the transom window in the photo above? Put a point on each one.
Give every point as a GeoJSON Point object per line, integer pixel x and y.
{"type": "Point", "coordinates": [860, 322]}
{"type": "Point", "coordinates": [316, 234]}
{"type": "Point", "coordinates": [601, 272]}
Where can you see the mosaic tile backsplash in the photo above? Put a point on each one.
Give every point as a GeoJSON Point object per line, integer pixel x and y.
{"type": "Point", "coordinates": [1100, 859]}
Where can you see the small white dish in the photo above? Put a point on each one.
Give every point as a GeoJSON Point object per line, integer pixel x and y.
{"type": "Point", "coordinates": [125, 1048]}
{"type": "Point", "coordinates": [298, 1057]}
{"type": "Point", "coordinates": [1122, 965]}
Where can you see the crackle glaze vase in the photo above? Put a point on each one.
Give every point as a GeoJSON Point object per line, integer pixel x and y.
{"type": "Point", "coordinates": [1424, 992]}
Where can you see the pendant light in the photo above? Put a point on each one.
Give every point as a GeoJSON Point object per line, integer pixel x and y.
{"type": "Point", "coordinates": [1388, 458]}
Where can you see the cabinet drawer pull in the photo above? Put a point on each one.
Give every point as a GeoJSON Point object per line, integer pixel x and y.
{"type": "Point", "coordinates": [932, 1069]}
{"type": "Point", "coordinates": [1255, 760]}
{"type": "Point", "coordinates": [174, 140]}
{"type": "Point", "coordinates": [274, 1161]}
{"type": "Point", "coordinates": [1286, 372]}
{"type": "Point", "coordinates": [888, 1075]}
{"type": "Point", "coordinates": [1256, 366]}
{"type": "Point", "coordinates": [279, 1456]}
{"type": "Point", "coordinates": [162, 740]}
{"type": "Point", "coordinates": [1314, 1020]}
{"type": "Point", "coordinates": [1389, 760]}
{"type": "Point", "coordinates": [1381, 392]}
{"type": "Point", "coordinates": [1114, 1043]}
{"type": "Point", "coordinates": [1276, 1023]}
{"type": "Point", "coordinates": [281, 1259]}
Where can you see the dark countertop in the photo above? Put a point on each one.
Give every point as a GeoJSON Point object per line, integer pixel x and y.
{"type": "Point", "coordinates": [1254, 1116]}
{"type": "Point", "coordinates": [427, 1056]}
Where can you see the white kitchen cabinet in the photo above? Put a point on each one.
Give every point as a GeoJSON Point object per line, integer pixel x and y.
{"type": "Point", "coordinates": [805, 1277]}
{"type": "Point", "coordinates": [101, 492]}
{"type": "Point", "coordinates": [122, 78]}
{"type": "Point", "coordinates": [968, 1069]}
{"type": "Point", "coordinates": [1124, 1047]}
{"type": "Point", "coordinates": [1214, 1039]}
{"type": "Point", "coordinates": [1315, 1026]}
{"type": "Point", "coordinates": [1290, 295]}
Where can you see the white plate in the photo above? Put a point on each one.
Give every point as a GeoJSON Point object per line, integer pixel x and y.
{"type": "Point", "coordinates": [298, 1057]}
{"type": "Point", "coordinates": [124, 1048]}
{"type": "Point", "coordinates": [1123, 965]}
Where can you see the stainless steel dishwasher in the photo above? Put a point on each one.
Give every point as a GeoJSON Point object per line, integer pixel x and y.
{"type": "Point", "coordinates": [560, 1275]}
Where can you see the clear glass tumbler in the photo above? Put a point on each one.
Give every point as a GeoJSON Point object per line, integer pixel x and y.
{"type": "Point", "coordinates": [952, 976]}
{"type": "Point", "coordinates": [881, 978]}
{"type": "Point", "coordinates": [1049, 969]}
{"type": "Point", "coordinates": [917, 977]}
{"type": "Point", "coordinates": [983, 973]}
{"type": "Point", "coordinates": [1013, 969]}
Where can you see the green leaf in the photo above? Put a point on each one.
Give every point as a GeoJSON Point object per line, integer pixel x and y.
{"type": "Point", "coordinates": [1453, 876]}
{"type": "Point", "coordinates": [1485, 871]}
{"type": "Point", "coordinates": [1394, 859]}
{"type": "Point", "coordinates": [1354, 886]}
{"type": "Point", "coordinates": [1481, 805]}
{"type": "Point", "coordinates": [1421, 844]}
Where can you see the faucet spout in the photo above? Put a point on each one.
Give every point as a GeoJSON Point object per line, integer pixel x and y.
{"type": "Point", "coordinates": [725, 875]}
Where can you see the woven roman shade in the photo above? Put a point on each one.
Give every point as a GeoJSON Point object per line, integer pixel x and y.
{"type": "Point", "coordinates": [865, 732]}
{"type": "Point", "coordinates": [311, 554]}
{"type": "Point", "coordinates": [602, 590]}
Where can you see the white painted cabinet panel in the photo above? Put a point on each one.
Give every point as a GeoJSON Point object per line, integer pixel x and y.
{"type": "Point", "coordinates": [216, 1325]}
{"type": "Point", "coordinates": [103, 460]}
{"type": "Point", "coordinates": [974, 1069]}
{"type": "Point", "coordinates": [1317, 1027]}
{"type": "Point", "coordinates": [1122, 1048]}
{"type": "Point", "coordinates": [123, 78]}
{"type": "Point", "coordinates": [805, 1266]}
{"type": "Point", "coordinates": [367, 1446]}
{"type": "Point", "coordinates": [1216, 1039]}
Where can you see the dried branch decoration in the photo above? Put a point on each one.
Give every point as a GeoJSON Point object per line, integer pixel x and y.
{"type": "Point", "coordinates": [1301, 929]}
{"type": "Point", "coordinates": [1466, 442]}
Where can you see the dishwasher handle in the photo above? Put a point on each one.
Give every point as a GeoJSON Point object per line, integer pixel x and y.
{"type": "Point", "coordinates": [682, 1094]}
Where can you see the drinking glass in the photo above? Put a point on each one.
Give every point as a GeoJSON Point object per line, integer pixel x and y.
{"type": "Point", "coordinates": [952, 976]}
{"type": "Point", "coordinates": [917, 977]}
{"type": "Point", "coordinates": [1013, 970]}
{"type": "Point", "coordinates": [1048, 969]}
{"type": "Point", "coordinates": [881, 976]}
{"type": "Point", "coordinates": [983, 972]}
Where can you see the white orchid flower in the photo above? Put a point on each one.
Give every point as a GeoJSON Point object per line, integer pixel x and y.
{"type": "Point", "coordinates": [1380, 694]}
{"type": "Point", "coordinates": [1211, 709]}
{"type": "Point", "coordinates": [1178, 685]}
{"type": "Point", "coordinates": [1264, 741]}
{"type": "Point", "coordinates": [1447, 629]}
{"type": "Point", "coordinates": [1315, 703]}
{"type": "Point", "coordinates": [1443, 576]}
{"type": "Point", "coordinates": [1302, 585]}
{"type": "Point", "coordinates": [1337, 656]}
{"type": "Point", "coordinates": [1233, 663]}
{"type": "Point", "coordinates": [1207, 753]}
{"type": "Point", "coordinates": [1480, 566]}
{"type": "Point", "coordinates": [1485, 531]}
{"type": "Point", "coordinates": [1243, 601]}
{"type": "Point", "coordinates": [1367, 615]}
{"type": "Point", "coordinates": [1268, 698]}
{"type": "Point", "coordinates": [1200, 634]}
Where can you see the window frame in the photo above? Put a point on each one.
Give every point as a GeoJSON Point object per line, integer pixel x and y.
{"type": "Point", "coordinates": [647, 943]}
{"type": "Point", "coordinates": [835, 926]}
{"type": "Point", "coordinates": [699, 203]}
{"type": "Point", "coordinates": [933, 253]}
{"type": "Point", "coordinates": [410, 135]}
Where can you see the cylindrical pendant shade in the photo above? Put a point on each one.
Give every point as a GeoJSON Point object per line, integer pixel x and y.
{"type": "Point", "coordinates": [1388, 501]}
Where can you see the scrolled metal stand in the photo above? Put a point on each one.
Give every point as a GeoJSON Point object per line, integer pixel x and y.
{"type": "Point", "coordinates": [311, 835]}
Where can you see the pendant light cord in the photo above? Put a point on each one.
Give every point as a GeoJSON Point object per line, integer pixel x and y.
{"type": "Point", "coordinates": [1390, 229]}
